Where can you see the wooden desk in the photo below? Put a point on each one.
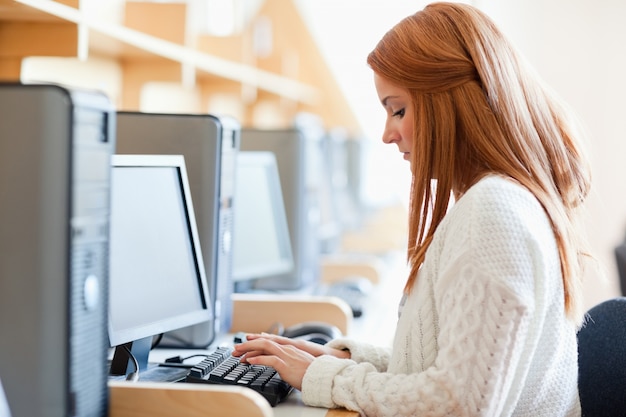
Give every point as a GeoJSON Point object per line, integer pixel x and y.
{"type": "Point", "coordinates": [149, 399]}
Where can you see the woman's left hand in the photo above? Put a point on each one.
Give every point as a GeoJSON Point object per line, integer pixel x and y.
{"type": "Point", "coordinates": [289, 361]}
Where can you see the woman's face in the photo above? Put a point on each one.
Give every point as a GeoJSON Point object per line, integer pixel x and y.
{"type": "Point", "coordinates": [399, 109]}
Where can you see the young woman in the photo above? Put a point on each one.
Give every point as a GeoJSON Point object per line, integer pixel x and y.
{"type": "Point", "coordinates": [488, 320]}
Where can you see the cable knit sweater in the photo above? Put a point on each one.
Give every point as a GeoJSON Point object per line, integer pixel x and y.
{"type": "Point", "coordinates": [483, 332]}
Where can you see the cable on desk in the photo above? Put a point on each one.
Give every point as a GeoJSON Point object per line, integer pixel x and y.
{"type": "Point", "coordinates": [133, 376]}
{"type": "Point", "coordinates": [180, 359]}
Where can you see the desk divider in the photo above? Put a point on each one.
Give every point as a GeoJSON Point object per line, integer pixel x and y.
{"type": "Point", "coordinates": [150, 399]}
{"type": "Point", "coordinates": [255, 313]}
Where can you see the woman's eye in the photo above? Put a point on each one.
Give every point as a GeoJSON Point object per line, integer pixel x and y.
{"type": "Point", "coordinates": [399, 113]}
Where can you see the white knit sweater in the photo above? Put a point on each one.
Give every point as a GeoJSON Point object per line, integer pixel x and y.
{"type": "Point", "coordinates": [483, 333]}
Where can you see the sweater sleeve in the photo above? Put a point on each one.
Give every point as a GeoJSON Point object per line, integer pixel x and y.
{"type": "Point", "coordinates": [484, 295]}
{"type": "Point", "coordinates": [364, 352]}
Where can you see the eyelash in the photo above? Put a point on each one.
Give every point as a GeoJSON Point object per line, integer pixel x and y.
{"type": "Point", "coordinates": [399, 113]}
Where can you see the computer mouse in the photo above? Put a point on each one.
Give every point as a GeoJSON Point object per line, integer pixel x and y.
{"type": "Point", "coordinates": [313, 331]}
{"type": "Point", "coordinates": [354, 283]}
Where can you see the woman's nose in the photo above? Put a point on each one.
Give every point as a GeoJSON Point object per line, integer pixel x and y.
{"type": "Point", "coordinates": [390, 136]}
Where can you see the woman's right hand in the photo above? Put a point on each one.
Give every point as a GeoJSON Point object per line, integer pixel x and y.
{"type": "Point", "coordinates": [290, 357]}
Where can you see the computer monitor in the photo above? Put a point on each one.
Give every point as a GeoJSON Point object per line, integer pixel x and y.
{"type": "Point", "coordinates": [157, 277]}
{"type": "Point", "coordinates": [261, 242]}
{"type": "Point", "coordinates": [358, 149]}
{"type": "Point", "coordinates": [297, 155]}
{"type": "Point", "coordinates": [209, 144]}
{"type": "Point", "coordinates": [336, 209]}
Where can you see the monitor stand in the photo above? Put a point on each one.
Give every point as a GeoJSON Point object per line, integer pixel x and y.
{"type": "Point", "coordinates": [121, 364]}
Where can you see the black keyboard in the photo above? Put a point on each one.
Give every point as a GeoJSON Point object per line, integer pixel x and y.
{"type": "Point", "coordinates": [220, 367]}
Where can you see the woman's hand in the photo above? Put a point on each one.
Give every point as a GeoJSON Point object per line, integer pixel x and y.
{"type": "Point", "coordinates": [312, 348]}
{"type": "Point", "coordinates": [290, 357]}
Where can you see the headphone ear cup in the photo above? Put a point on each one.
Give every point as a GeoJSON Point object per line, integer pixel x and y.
{"type": "Point", "coordinates": [318, 332]}
{"type": "Point", "coordinates": [319, 338]}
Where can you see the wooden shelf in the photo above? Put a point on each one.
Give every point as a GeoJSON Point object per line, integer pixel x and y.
{"type": "Point", "coordinates": [148, 42]}
{"type": "Point", "coordinates": [27, 25]}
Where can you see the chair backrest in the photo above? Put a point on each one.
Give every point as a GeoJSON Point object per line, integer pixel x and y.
{"type": "Point", "coordinates": [602, 360]}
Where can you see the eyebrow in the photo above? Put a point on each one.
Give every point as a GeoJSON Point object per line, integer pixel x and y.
{"type": "Point", "coordinates": [384, 101]}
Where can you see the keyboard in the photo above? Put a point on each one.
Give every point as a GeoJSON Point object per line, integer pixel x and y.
{"type": "Point", "coordinates": [220, 367]}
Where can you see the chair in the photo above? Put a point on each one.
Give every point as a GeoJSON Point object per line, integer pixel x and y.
{"type": "Point", "coordinates": [602, 360]}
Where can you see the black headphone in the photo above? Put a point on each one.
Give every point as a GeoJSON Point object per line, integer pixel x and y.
{"type": "Point", "coordinates": [313, 331]}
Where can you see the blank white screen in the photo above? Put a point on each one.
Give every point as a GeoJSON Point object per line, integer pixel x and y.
{"type": "Point", "coordinates": [154, 281]}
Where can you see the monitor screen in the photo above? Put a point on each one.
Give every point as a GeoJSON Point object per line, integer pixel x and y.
{"type": "Point", "coordinates": [157, 277]}
{"type": "Point", "coordinates": [261, 242]}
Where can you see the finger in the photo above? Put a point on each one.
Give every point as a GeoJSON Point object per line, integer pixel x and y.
{"type": "Point", "coordinates": [252, 336]}
{"type": "Point", "coordinates": [248, 355]}
{"type": "Point", "coordinates": [263, 345]}
{"type": "Point", "coordinates": [274, 337]}
{"type": "Point", "coordinates": [309, 347]}
{"type": "Point", "coordinates": [266, 360]}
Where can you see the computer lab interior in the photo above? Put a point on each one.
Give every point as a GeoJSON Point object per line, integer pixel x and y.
{"type": "Point", "coordinates": [136, 145]}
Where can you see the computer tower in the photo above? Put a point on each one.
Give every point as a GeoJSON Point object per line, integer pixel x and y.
{"type": "Point", "coordinates": [55, 151]}
{"type": "Point", "coordinates": [209, 144]}
{"type": "Point", "coordinates": [300, 164]}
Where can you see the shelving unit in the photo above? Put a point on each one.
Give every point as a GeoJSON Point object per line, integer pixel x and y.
{"type": "Point", "coordinates": [149, 42]}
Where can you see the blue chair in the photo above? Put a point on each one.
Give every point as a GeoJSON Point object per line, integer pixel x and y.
{"type": "Point", "coordinates": [602, 360]}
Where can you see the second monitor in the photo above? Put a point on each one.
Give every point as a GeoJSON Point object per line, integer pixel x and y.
{"type": "Point", "coordinates": [298, 156]}
{"type": "Point", "coordinates": [261, 242]}
{"type": "Point", "coordinates": [209, 145]}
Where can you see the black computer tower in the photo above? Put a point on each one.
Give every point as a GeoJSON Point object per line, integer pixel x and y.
{"type": "Point", "coordinates": [55, 149]}
{"type": "Point", "coordinates": [209, 144]}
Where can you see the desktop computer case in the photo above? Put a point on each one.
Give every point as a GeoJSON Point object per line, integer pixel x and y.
{"type": "Point", "coordinates": [55, 147]}
{"type": "Point", "coordinates": [209, 144]}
